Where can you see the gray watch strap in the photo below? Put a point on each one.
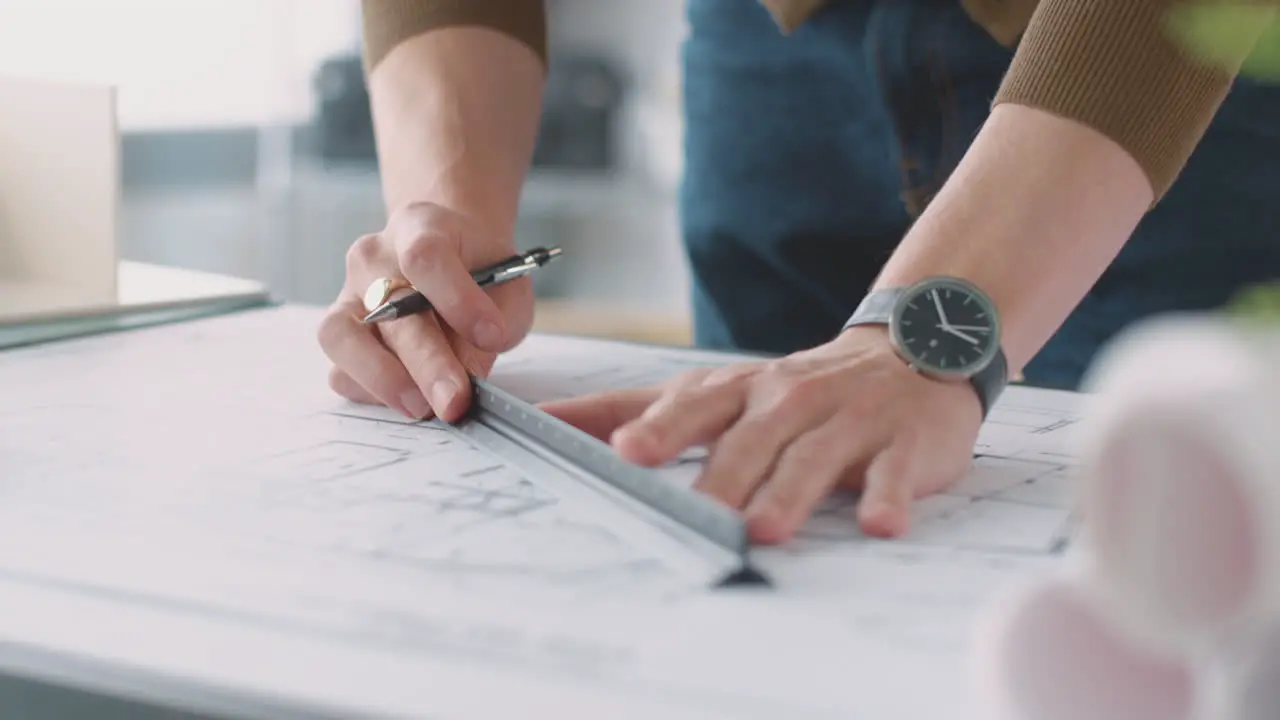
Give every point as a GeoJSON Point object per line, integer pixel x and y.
{"type": "Point", "coordinates": [876, 308]}
{"type": "Point", "coordinates": [989, 382]}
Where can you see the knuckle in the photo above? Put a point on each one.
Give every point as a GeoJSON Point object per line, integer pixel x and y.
{"type": "Point", "coordinates": [432, 355]}
{"type": "Point", "coordinates": [423, 253]}
{"type": "Point", "coordinates": [775, 377]}
{"type": "Point", "coordinates": [897, 463]}
{"type": "Point", "coordinates": [338, 381]}
{"type": "Point", "coordinates": [331, 330]}
{"type": "Point", "coordinates": [784, 498]}
{"type": "Point", "coordinates": [670, 402]}
{"type": "Point", "coordinates": [690, 378]}
{"type": "Point", "coordinates": [799, 395]}
{"type": "Point", "coordinates": [364, 251]}
{"type": "Point", "coordinates": [728, 374]}
{"type": "Point", "coordinates": [681, 382]}
{"type": "Point", "coordinates": [817, 447]}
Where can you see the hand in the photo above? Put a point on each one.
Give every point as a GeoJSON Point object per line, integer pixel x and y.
{"type": "Point", "coordinates": [419, 364]}
{"type": "Point", "coordinates": [783, 433]}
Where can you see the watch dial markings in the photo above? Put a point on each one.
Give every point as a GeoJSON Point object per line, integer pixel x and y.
{"type": "Point", "coordinates": [953, 331]}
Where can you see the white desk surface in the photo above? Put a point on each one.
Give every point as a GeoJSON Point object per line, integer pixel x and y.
{"type": "Point", "coordinates": [190, 514]}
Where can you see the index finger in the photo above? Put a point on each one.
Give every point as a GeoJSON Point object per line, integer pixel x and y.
{"type": "Point", "coordinates": [431, 259]}
{"type": "Point", "coordinates": [599, 414]}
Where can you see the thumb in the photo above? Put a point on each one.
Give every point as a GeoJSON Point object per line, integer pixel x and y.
{"type": "Point", "coordinates": [889, 487]}
{"type": "Point", "coordinates": [515, 300]}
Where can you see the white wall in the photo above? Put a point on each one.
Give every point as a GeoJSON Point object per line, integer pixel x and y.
{"type": "Point", "coordinates": [182, 63]}
{"type": "Point", "coordinates": [206, 63]}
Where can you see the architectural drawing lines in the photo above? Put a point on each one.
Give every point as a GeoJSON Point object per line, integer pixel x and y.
{"type": "Point", "coordinates": [356, 416]}
{"type": "Point", "coordinates": [1055, 426]}
{"type": "Point", "coordinates": [333, 460]}
{"type": "Point", "coordinates": [1031, 420]}
{"type": "Point", "coordinates": [492, 503]}
{"type": "Point", "coordinates": [1066, 534]}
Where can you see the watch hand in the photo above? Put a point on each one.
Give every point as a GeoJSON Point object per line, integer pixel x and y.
{"type": "Point", "coordinates": [967, 338]}
{"type": "Point", "coordinates": [937, 303]}
{"type": "Point", "coordinates": [970, 328]}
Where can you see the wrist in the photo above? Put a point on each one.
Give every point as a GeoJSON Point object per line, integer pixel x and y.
{"type": "Point", "coordinates": [946, 329]}
{"type": "Point", "coordinates": [875, 342]}
{"type": "Point", "coordinates": [1036, 210]}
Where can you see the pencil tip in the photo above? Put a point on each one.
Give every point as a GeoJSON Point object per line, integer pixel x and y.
{"type": "Point", "coordinates": [381, 313]}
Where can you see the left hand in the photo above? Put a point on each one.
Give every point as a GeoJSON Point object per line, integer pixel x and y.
{"type": "Point", "coordinates": [784, 433]}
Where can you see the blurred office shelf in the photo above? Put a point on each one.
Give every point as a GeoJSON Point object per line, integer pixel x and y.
{"type": "Point", "coordinates": [295, 237]}
{"type": "Point", "coordinates": [546, 192]}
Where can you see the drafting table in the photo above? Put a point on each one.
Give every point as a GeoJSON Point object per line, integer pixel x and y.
{"type": "Point", "coordinates": [189, 516]}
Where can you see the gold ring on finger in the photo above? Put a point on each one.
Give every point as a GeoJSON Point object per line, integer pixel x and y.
{"type": "Point", "coordinates": [380, 291]}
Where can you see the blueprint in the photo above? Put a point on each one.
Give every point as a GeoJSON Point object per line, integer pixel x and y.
{"type": "Point", "coordinates": [200, 485]}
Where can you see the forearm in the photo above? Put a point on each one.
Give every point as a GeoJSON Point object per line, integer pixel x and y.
{"type": "Point", "coordinates": [456, 115]}
{"type": "Point", "coordinates": [1034, 213]}
{"type": "Point", "coordinates": [1093, 122]}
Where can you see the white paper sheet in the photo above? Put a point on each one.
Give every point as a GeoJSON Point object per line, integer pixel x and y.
{"type": "Point", "coordinates": [1015, 501]}
{"type": "Point", "coordinates": [203, 476]}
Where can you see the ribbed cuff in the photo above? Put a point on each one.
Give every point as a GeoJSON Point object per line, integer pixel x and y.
{"type": "Point", "coordinates": [1004, 20]}
{"type": "Point", "coordinates": [387, 23]}
{"type": "Point", "coordinates": [1111, 65]}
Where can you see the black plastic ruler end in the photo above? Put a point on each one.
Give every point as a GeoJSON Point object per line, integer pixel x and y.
{"type": "Point", "coordinates": [745, 576]}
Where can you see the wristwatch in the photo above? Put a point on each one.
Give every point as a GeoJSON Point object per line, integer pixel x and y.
{"type": "Point", "coordinates": [944, 328]}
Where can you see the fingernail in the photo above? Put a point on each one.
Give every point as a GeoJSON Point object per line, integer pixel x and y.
{"type": "Point", "coordinates": [629, 434]}
{"type": "Point", "coordinates": [488, 335]}
{"type": "Point", "coordinates": [766, 525]}
{"type": "Point", "coordinates": [637, 442]}
{"type": "Point", "coordinates": [415, 404]}
{"type": "Point", "coordinates": [442, 394]}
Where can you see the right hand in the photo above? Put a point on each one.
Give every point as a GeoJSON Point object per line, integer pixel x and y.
{"type": "Point", "coordinates": [419, 365]}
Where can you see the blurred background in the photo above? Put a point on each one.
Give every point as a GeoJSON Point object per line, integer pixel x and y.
{"type": "Point", "coordinates": [247, 148]}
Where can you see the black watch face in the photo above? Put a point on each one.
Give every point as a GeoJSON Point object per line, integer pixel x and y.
{"type": "Point", "coordinates": [947, 327]}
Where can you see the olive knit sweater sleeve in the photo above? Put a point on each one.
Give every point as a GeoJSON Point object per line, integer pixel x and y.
{"type": "Point", "coordinates": [1109, 64]}
{"type": "Point", "coordinates": [387, 23]}
{"type": "Point", "coordinates": [1113, 65]}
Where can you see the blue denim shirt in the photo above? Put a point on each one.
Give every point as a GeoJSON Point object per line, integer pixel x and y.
{"type": "Point", "coordinates": [808, 155]}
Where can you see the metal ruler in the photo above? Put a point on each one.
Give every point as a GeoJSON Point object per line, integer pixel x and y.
{"type": "Point", "coordinates": [507, 425]}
